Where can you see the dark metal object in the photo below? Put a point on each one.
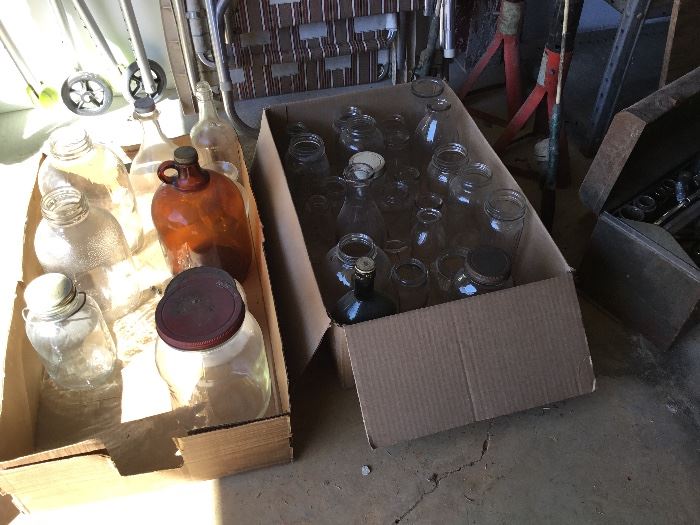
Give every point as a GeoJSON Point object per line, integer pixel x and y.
{"type": "Point", "coordinates": [631, 212]}
{"type": "Point", "coordinates": [647, 204]}
{"type": "Point", "coordinates": [631, 23]}
{"type": "Point", "coordinates": [682, 204]}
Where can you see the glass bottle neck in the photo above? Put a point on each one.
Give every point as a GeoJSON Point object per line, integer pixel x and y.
{"type": "Point", "coordinates": [64, 207]}
{"type": "Point", "coordinates": [152, 134]}
{"type": "Point", "coordinates": [364, 286]}
{"type": "Point", "coordinates": [207, 109]}
{"type": "Point", "coordinates": [69, 145]}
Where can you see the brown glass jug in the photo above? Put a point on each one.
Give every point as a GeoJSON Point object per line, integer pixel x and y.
{"type": "Point", "coordinates": [200, 218]}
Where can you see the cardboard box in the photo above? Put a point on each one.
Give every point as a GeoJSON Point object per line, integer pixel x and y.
{"type": "Point", "coordinates": [440, 367]}
{"type": "Point", "coordinates": [636, 270]}
{"type": "Point", "coordinates": [137, 455]}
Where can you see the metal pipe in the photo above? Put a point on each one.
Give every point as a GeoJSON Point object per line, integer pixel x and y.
{"type": "Point", "coordinates": [60, 12]}
{"type": "Point", "coordinates": [183, 32]}
{"type": "Point", "coordinates": [18, 60]}
{"type": "Point", "coordinates": [95, 32]}
{"type": "Point", "coordinates": [214, 19]}
{"type": "Point", "coordinates": [132, 28]}
{"type": "Point", "coordinates": [198, 34]}
{"type": "Point", "coordinates": [448, 19]}
{"type": "Point", "coordinates": [426, 56]}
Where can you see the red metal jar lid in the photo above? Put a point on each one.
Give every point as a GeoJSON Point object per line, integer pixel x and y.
{"type": "Point", "coordinates": [200, 311]}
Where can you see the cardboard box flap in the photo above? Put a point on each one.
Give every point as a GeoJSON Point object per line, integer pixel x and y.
{"type": "Point", "coordinates": [303, 327]}
{"type": "Point", "coordinates": [469, 360]}
{"type": "Point", "coordinates": [645, 141]}
{"type": "Point", "coordinates": [76, 449]}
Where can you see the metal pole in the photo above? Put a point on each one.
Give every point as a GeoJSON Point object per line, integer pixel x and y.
{"type": "Point", "coordinates": [183, 32]}
{"type": "Point", "coordinates": [95, 32]}
{"type": "Point", "coordinates": [18, 60]}
{"type": "Point", "coordinates": [137, 44]}
{"type": "Point", "coordinates": [60, 12]}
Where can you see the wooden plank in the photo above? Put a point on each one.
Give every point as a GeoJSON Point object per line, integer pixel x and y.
{"type": "Point", "coordinates": [682, 53]}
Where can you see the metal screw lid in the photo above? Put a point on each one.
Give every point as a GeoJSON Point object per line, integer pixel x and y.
{"type": "Point", "coordinates": [185, 155]}
{"type": "Point", "coordinates": [50, 295]}
{"type": "Point", "coordinates": [365, 266]}
{"type": "Point", "coordinates": [200, 309]}
{"type": "Point", "coordinates": [144, 105]}
{"type": "Point", "coordinates": [487, 265]}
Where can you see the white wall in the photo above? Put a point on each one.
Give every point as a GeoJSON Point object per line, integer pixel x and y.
{"type": "Point", "coordinates": [35, 31]}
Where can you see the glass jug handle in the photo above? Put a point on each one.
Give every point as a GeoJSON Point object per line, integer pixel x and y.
{"type": "Point", "coordinates": [168, 165]}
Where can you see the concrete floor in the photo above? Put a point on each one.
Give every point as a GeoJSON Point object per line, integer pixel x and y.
{"type": "Point", "coordinates": [628, 453]}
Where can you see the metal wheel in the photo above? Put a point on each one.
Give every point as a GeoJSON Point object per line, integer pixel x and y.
{"type": "Point", "coordinates": [86, 94]}
{"type": "Point", "coordinates": [134, 83]}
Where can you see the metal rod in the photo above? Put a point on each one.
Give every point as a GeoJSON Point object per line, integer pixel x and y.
{"type": "Point", "coordinates": [426, 56]}
{"type": "Point", "coordinates": [95, 32]}
{"type": "Point", "coordinates": [448, 18]}
{"type": "Point", "coordinates": [690, 199]}
{"type": "Point", "coordinates": [62, 17]}
{"type": "Point", "coordinates": [132, 28]}
{"type": "Point", "coordinates": [185, 37]}
{"type": "Point", "coordinates": [18, 60]}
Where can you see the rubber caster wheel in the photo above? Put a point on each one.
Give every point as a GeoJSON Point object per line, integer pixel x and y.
{"type": "Point", "coordinates": [86, 94]}
{"type": "Point", "coordinates": [134, 82]}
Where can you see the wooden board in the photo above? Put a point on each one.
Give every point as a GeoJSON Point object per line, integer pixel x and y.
{"type": "Point", "coordinates": [682, 52]}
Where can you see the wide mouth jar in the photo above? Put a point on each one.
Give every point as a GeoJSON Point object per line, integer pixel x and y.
{"type": "Point", "coordinates": [69, 142]}
{"type": "Point", "coordinates": [505, 205]}
{"type": "Point", "coordinates": [361, 126]}
{"type": "Point", "coordinates": [410, 274]}
{"type": "Point", "coordinates": [428, 216]}
{"type": "Point", "coordinates": [64, 206]}
{"type": "Point", "coordinates": [451, 157]}
{"type": "Point", "coordinates": [307, 147]}
{"type": "Point", "coordinates": [355, 245]}
{"type": "Point", "coordinates": [348, 113]}
{"type": "Point", "coordinates": [439, 105]}
{"type": "Point", "coordinates": [427, 87]}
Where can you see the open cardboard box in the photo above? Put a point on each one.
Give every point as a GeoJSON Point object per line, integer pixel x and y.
{"type": "Point", "coordinates": [118, 458]}
{"type": "Point", "coordinates": [440, 367]}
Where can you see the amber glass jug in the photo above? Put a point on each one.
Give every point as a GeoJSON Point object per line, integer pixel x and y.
{"type": "Point", "coordinates": [200, 217]}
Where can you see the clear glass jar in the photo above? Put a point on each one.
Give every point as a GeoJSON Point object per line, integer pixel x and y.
{"type": "Point", "coordinates": [428, 237]}
{"type": "Point", "coordinates": [465, 204]}
{"type": "Point", "coordinates": [359, 133]}
{"type": "Point", "coordinates": [155, 148]}
{"type": "Point", "coordinates": [442, 273]}
{"type": "Point", "coordinates": [397, 142]}
{"type": "Point", "coordinates": [398, 250]}
{"type": "Point", "coordinates": [339, 263]}
{"type": "Point", "coordinates": [87, 244]}
{"type": "Point", "coordinates": [410, 280]}
{"type": "Point", "coordinates": [67, 330]}
{"type": "Point", "coordinates": [449, 161]}
{"type": "Point", "coordinates": [306, 166]}
{"type": "Point", "coordinates": [360, 213]}
{"type": "Point", "coordinates": [436, 128]}
{"type": "Point", "coordinates": [334, 189]}
{"type": "Point", "coordinates": [96, 171]}
{"type": "Point", "coordinates": [428, 199]}
{"type": "Point", "coordinates": [396, 205]}
{"type": "Point", "coordinates": [213, 138]}
{"type": "Point", "coordinates": [317, 225]}
{"type": "Point", "coordinates": [210, 350]}
{"type": "Point", "coordinates": [346, 114]}
{"type": "Point", "coordinates": [486, 269]}
{"type": "Point", "coordinates": [411, 177]}
{"type": "Point", "coordinates": [505, 212]}
{"type": "Point", "coordinates": [425, 90]}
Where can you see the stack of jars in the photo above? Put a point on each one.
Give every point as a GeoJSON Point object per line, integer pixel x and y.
{"type": "Point", "coordinates": [414, 202]}
{"type": "Point", "coordinates": [96, 216]}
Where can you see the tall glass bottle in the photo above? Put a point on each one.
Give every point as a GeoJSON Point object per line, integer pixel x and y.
{"type": "Point", "coordinates": [213, 138]}
{"type": "Point", "coordinates": [73, 159]}
{"type": "Point", "coordinates": [363, 303]}
{"type": "Point", "coordinates": [360, 213]}
{"type": "Point", "coordinates": [428, 237]}
{"type": "Point", "coordinates": [437, 127]}
{"type": "Point", "coordinates": [155, 148]}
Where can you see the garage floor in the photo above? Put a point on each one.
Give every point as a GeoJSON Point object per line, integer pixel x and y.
{"type": "Point", "coordinates": [628, 453]}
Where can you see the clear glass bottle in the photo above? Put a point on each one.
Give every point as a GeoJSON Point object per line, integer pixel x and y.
{"type": "Point", "coordinates": [213, 138]}
{"type": "Point", "coordinates": [449, 161]}
{"type": "Point", "coordinates": [465, 203]}
{"type": "Point", "coordinates": [396, 205]}
{"type": "Point", "coordinates": [397, 142]}
{"type": "Point", "coordinates": [505, 212]}
{"type": "Point", "coordinates": [411, 177]}
{"type": "Point", "coordinates": [359, 133]}
{"type": "Point", "coordinates": [410, 280]}
{"type": "Point", "coordinates": [437, 127]}
{"type": "Point", "coordinates": [338, 267]}
{"type": "Point", "coordinates": [425, 90]}
{"type": "Point", "coordinates": [155, 148]}
{"type": "Point", "coordinates": [486, 269]}
{"type": "Point", "coordinates": [333, 189]}
{"type": "Point", "coordinates": [428, 237]}
{"type": "Point", "coordinates": [73, 159]}
{"type": "Point", "coordinates": [360, 213]}
{"type": "Point", "coordinates": [398, 250]}
{"type": "Point", "coordinates": [363, 302]}
{"type": "Point", "coordinates": [428, 199]}
{"type": "Point", "coordinates": [442, 273]}
{"type": "Point", "coordinates": [210, 350]}
{"type": "Point", "coordinates": [200, 218]}
{"type": "Point", "coordinates": [67, 330]}
{"type": "Point", "coordinates": [306, 166]}
{"type": "Point", "coordinates": [87, 244]}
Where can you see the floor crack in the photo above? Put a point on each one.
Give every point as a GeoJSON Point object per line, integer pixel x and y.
{"type": "Point", "coordinates": [435, 479]}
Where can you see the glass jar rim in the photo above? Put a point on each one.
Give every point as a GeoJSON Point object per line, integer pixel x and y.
{"type": "Point", "coordinates": [427, 87]}
{"type": "Point", "coordinates": [420, 277]}
{"type": "Point", "coordinates": [436, 200]}
{"type": "Point", "coordinates": [440, 264]}
{"type": "Point", "coordinates": [439, 104]}
{"type": "Point", "coordinates": [64, 205]}
{"type": "Point", "coordinates": [451, 155]}
{"type": "Point", "coordinates": [350, 173]}
{"type": "Point", "coordinates": [306, 146]}
{"type": "Point", "coordinates": [68, 142]}
{"type": "Point", "coordinates": [474, 175]}
{"type": "Point", "coordinates": [487, 265]}
{"type": "Point", "coordinates": [356, 239]}
{"type": "Point", "coordinates": [360, 125]}
{"type": "Point", "coordinates": [428, 215]}
{"type": "Point", "coordinates": [513, 198]}
{"type": "Point", "coordinates": [395, 246]}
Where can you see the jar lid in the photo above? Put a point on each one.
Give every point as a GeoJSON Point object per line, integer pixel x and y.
{"type": "Point", "coordinates": [185, 155]}
{"type": "Point", "coordinates": [487, 265]}
{"type": "Point", "coordinates": [200, 309]}
{"type": "Point", "coordinates": [144, 105]}
{"type": "Point", "coordinates": [375, 160]}
{"type": "Point", "coordinates": [365, 266]}
{"type": "Point", "coordinates": [50, 295]}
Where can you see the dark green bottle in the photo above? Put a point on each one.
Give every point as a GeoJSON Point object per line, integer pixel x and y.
{"type": "Point", "coordinates": [363, 302]}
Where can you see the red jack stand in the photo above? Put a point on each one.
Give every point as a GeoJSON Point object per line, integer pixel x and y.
{"type": "Point", "coordinates": [507, 32]}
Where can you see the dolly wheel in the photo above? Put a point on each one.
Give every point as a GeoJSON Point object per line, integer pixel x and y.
{"type": "Point", "coordinates": [86, 94]}
{"type": "Point", "coordinates": [134, 82]}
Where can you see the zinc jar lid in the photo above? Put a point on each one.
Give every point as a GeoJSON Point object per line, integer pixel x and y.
{"type": "Point", "coordinates": [50, 295]}
{"type": "Point", "coordinates": [371, 158]}
{"type": "Point", "coordinates": [487, 265]}
{"type": "Point", "coordinates": [200, 310]}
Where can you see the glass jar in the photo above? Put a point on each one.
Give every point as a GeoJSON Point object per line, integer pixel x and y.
{"type": "Point", "coordinates": [486, 269]}
{"type": "Point", "coordinates": [155, 148]}
{"type": "Point", "coordinates": [442, 273]}
{"type": "Point", "coordinates": [396, 205]}
{"type": "Point", "coordinates": [397, 142]}
{"type": "Point", "coordinates": [306, 166]}
{"type": "Point", "coordinates": [398, 250]}
{"type": "Point", "coordinates": [339, 263]}
{"type": "Point", "coordinates": [333, 189]}
{"type": "Point", "coordinates": [410, 280]}
{"type": "Point", "coordinates": [317, 225]}
{"type": "Point", "coordinates": [346, 114]}
{"type": "Point", "coordinates": [210, 350]}
{"type": "Point", "coordinates": [359, 133]}
{"type": "Point", "coordinates": [428, 237]}
{"type": "Point", "coordinates": [213, 138]}
{"type": "Point", "coordinates": [427, 199]}
{"type": "Point", "coordinates": [363, 302]}
{"type": "Point", "coordinates": [360, 213]}
{"type": "Point", "coordinates": [94, 170]}
{"type": "Point", "coordinates": [449, 161]}
{"type": "Point", "coordinates": [411, 177]}
{"type": "Point", "coordinates": [200, 218]}
{"type": "Point", "coordinates": [436, 128]}
{"type": "Point", "coordinates": [87, 244]}
{"type": "Point", "coordinates": [505, 213]}
{"type": "Point", "coordinates": [425, 90]}
{"type": "Point", "coordinates": [67, 330]}
{"type": "Point", "coordinates": [465, 204]}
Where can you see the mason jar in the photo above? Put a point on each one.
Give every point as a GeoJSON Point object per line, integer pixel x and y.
{"type": "Point", "coordinates": [449, 161]}
{"type": "Point", "coordinates": [486, 269]}
{"type": "Point", "coordinates": [505, 214]}
{"type": "Point", "coordinates": [360, 133]}
{"type": "Point", "coordinates": [67, 330]}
